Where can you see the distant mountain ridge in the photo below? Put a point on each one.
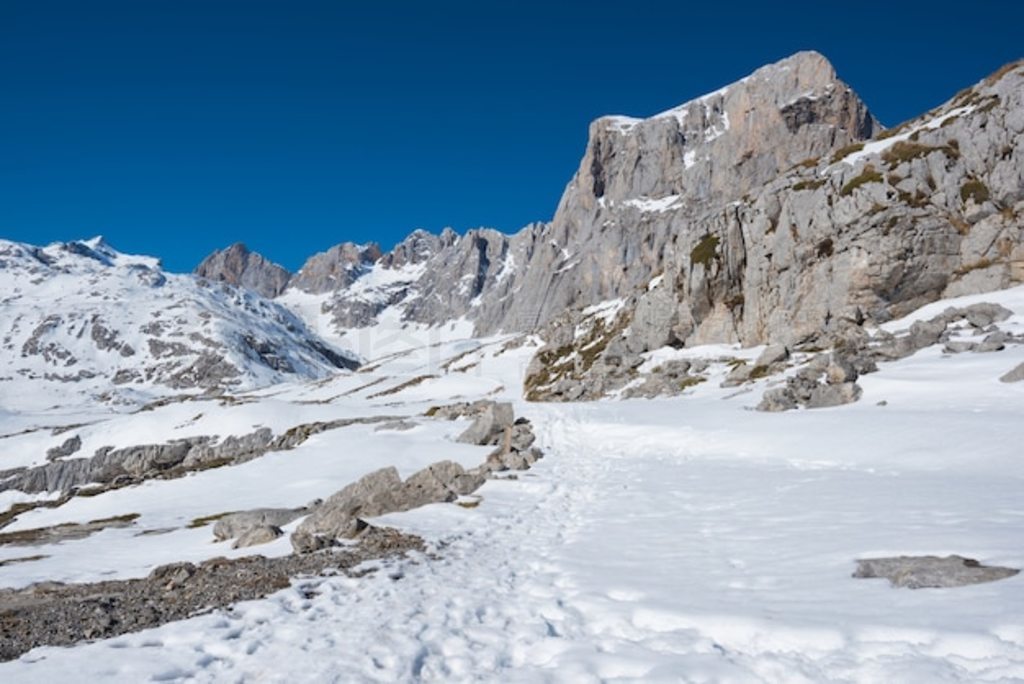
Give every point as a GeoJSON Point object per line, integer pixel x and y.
{"type": "Point", "coordinates": [631, 166]}
{"type": "Point", "coordinates": [238, 266]}
{"type": "Point", "coordinates": [777, 205]}
{"type": "Point", "coordinates": [80, 321]}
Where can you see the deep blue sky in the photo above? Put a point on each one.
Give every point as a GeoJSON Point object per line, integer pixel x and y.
{"type": "Point", "coordinates": [174, 127]}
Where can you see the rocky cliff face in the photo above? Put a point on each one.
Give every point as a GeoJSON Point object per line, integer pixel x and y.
{"type": "Point", "coordinates": [639, 179]}
{"type": "Point", "coordinates": [934, 208]}
{"type": "Point", "coordinates": [335, 269]}
{"type": "Point", "coordinates": [773, 210]}
{"type": "Point", "coordinates": [642, 183]}
{"type": "Point", "coordinates": [238, 266]}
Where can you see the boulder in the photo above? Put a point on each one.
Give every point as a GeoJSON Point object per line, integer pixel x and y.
{"type": "Point", "coordinates": [919, 572]}
{"type": "Point", "coordinates": [1014, 375]}
{"type": "Point", "coordinates": [738, 375]}
{"type": "Point", "coordinates": [840, 370]}
{"type": "Point", "coordinates": [238, 524]}
{"type": "Point", "coordinates": [828, 395]}
{"type": "Point", "coordinates": [921, 334]}
{"type": "Point", "coordinates": [679, 368]}
{"type": "Point", "coordinates": [262, 534]}
{"type": "Point", "coordinates": [489, 425]}
{"type": "Point", "coordinates": [521, 438]}
{"type": "Point", "coordinates": [501, 460]}
{"type": "Point", "coordinates": [340, 516]}
{"type": "Point", "coordinates": [993, 342]}
{"type": "Point", "coordinates": [778, 399]}
{"type": "Point", "coordinates": [470, 481]}
{"type": "Point", "coordinates": [458, 409]}
{"type": "Point", "coordinates": [173, 575]}
{"type": "Point", "coordinates": [437, 483]}
{"type": "Point", "coordinates": [863, 363]}
{"type": "Point", "coordinates": [804, 388]}
{"type": "Point", "coordinates": [773, 353]}
{"type": "Point", "coordinates": [924, 334]}
{"type": "Point", "coordinates": [70, 446]}
{"type": "Point", "coordinates": [985, 314]}
{"type": "Point", "coordinates": [958, 347]}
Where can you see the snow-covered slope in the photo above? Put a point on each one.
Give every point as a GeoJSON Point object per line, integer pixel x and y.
{"type": "Point", "coordinates": [681, 539]}
{"type": "Point", "coordinates": [81, 322]}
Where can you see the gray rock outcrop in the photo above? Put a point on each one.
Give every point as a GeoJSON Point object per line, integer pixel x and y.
{"type": "Point", "coordinates": [240, 524]}
{"type": "Point", "coordinates": [172, 459]}
{"type": "Point", "coordinates": [106, 466]}
{"type": "Point", "coordinates": [670, 378]}
{"type": "Point", "coordinates": [67, 448]}
{"type": "Point", "coordinates": [920, 572]}
{"type": "Point", "coordinates": [804, 220]}
{"type": "Point", "coordinates": [848, 238]}
{"type": "Point", "coordinates": [489, 425]}
{"type": "Point", "coordinates": [335, 269]}
{"type": "Point", "coordinates": [254, 536]}
{"type": "Point", "coordinates": [342, 515]}
{"type": "Point", "coordinates": [1014, 375]}
{"type": "Point", "coordinates": [805, 388]}
{"type": "Point", "coordinates": [339, 517]}
{"type": "Point", "coordinates": [56, 614]}
{"type": "Point", "coordinates": [440, 482]}
{"type": "Point", "coordinates": [238, 266]}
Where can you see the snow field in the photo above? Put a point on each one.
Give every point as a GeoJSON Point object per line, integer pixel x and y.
{"type": "Point", "coordinates": [687, 539]}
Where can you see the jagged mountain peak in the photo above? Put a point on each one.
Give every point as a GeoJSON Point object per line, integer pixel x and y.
{"type": "Point", "coordinates": [76, 256]}
{"type": "Point", "coordinates": [723, 145]}
{"type": "Point", "coordinates": [418, 247]}
{"type": "Point", "coordinates": [99, 243]}
{"type": "Point", "coordinates": [809, 67]}
{"type": "Point", "coordinates": [238, 265]}
{"type": "Point", "coordinates": [336, 268]}
{"type": "Point", "coordinates": [806, 74]}
{"type": "Point", "coordinates": [237, 248]}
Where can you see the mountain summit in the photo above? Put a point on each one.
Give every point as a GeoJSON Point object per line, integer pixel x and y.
{"type": "Point", "coordinates": [236, 265]}
{"type": "Point", "coordinates": [776, 209]}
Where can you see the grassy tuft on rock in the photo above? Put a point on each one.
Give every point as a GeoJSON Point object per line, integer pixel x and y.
{"type": "Point", "coordinates": [868, 175]}
{"type": "Point", "coordinates": [705, 251]}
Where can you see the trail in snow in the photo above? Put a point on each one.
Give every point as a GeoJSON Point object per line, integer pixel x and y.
{"type": "Point", "coordinates": [683, 539]}
{"type": "Point", "coordinates": [620, 558]}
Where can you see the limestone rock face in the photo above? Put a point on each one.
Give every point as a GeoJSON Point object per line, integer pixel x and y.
{"type": "Point", "coordinates": [629, 212]}
{"type": "Point", "coordinates": [238, 266]}
{"type": "Point", "coordinates": [773, 211]}
{"type": "Point", "coordinates": [638, 186]}
{"type": "Point", "coordinates": [477, 267]}
{"type": "Point", "coordinates": [336, 268]}
{"type": "Point", "coordinates": [861, 234]}
{"type": "Point", "coordinates": [419, 247]}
